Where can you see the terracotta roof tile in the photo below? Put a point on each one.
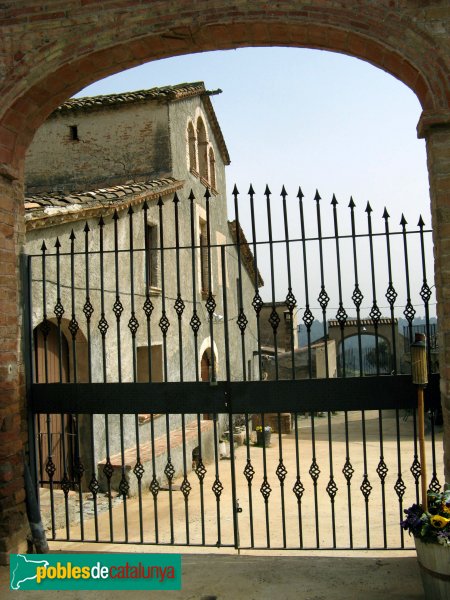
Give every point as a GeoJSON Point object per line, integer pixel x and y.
{"type": "Point", "coordinates": [45, 209]}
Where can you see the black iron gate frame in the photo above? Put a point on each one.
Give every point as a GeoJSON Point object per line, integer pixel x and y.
{"type": "Point", "coordinates": [295, 396]}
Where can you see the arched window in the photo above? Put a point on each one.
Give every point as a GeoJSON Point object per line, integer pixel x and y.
{"type": "Point", "coordinates": [191, 147]}
{"type": "Point", "coordinates": [202, 144]}
{"type": "Point", "coordinates": [212, 168]}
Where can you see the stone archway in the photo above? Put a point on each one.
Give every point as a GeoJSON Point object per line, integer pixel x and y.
{"type": "Point", "coordinates": [48, 54]}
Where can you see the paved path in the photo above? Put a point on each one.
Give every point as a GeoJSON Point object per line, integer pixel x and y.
{"type": "Point", "coordinates": [386, 576]}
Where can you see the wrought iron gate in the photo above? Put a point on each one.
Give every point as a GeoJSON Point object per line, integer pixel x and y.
{"type": "Point", "coordinates": [161, 456]}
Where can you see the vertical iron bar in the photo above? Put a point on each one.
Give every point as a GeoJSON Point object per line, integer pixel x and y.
{"type": "Point", "coordinates": [357, 295]}
{"type": "Point", "coordinates": [241, 319]}
{"type": "Point", "coordinates": [148, 305]}
{"type": "Point", "coordinates": [195, 326]}
{"type": "Point", "coordinates": [118, 310]}
{"type": "Point", "coordinates": [265, 487]}
{"type": "Point", "coordinates": [365, 487]}
{"type": "Point", "coordinates": [88, 311]}
{"type": "Point", "coordinates": [229, 399]}
{"type": "Point", "coordinates": [257, 300]}
{"type": "Point", "coordinates": [341, 314]}
{"type": "Point", "coordinates": [179, 309]}
{"type": "Point", "coordinates": [210, 302]}
{"type": "Point", "coordinates": [45, 328]}
{"type": "Point", "coordinates": [274, 319]}
{"type": "Point", "coordinates": [133, 326]}
{"type": "Point", "coordinates": [314, 472]}
{"type": "Point", "coordinates": [323, 298]}
{"type": "Point", "coordinates": [291, 302]}
{"type": "Point", "coordinates": [308, 317]}
{"type": "Point", "coordinates": [375, 313]}
{"type": "Point", "coordinates": [73, 328]}
{"type": "Point", "coordinates": [59, 312]}
{"type": "Point", "coordinates": [281, 473]}
{"type": "Point", "coordinates": [103, 328]}
{"type": "Point", "coordinates": [409, 311]}
{"type": "Point", "coordinates": [195, 321]}
{"type": "Point", "coordinates": [391, 294]}
{"type": "Point", "coordinates": [87, 308]}
{"type": "Point", "coordinates": [164, 326]}
{"type": "Point", "coordinates": [298, 488]}
{"type": "Point", "coordinates": [331, 487]}
{"type": "Point", "coordinates": [382, 472]}
{"type": "Point", "coordinates": [348, 474]}
{"type": "Point", "coordinates": [399, 485]}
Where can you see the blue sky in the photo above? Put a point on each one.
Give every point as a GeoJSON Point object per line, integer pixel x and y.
{"type": "Point", "coordinates": [308, 118]}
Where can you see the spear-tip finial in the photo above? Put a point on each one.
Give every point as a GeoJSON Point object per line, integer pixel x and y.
{"type": "Point", "coordinates": [191, 196]}
{"type": "Point", "coordinates": [101, 222]}
{"type": "Point", "coordinates": [160, 202]}
{"type": "Point", "coordinates": [334, 202]}
{"type": "Point", "coordinates": [403, 221]}
{"type": "Point", "coordinates": [130, 210]}
{"type": "Point", "coordinates": [43, 247]}
{"type": "Point", "coordinates": [207, 194]}
{"type": "Point", "coordinates": [72, 235]}
{"type": "Point", "coordinates": [57, 243]}
{"type": "Point", "coordinates": [115, 215]}
{"type": "Point", "coordinates": [368, 208]}
{"type": "Point", "coordinates": [421, 222]}
{"type": "Point", "coordinates": [175, 198]}
{"type": "Point", "coordinates": [385, 214]}
{"type": "Point", "coordinates": [351, 204]}
{"type": "Point", "coordinates": [235, 191]}
{"type": "Point", "coordinates": [300, 194]}
{"type": "Point", "coordinates": [267, 192]}
{"type": "Point", "coordinates": [145, 205]}
{"type": "Point", "coordinates": [251, 191]}
{"type": "Point", "coordinates": [86, 228]}
{"type": "Point", "coordinates": [283, 193]}
{"type": "Point", "coordinates": [317, 196]}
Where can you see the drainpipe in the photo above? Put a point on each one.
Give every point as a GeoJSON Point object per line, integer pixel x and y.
{"type": "Point", "coordinates": [38, 538]}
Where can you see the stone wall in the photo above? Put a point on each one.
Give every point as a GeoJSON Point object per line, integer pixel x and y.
{"type": "Point", "coordinates": [114, 144]}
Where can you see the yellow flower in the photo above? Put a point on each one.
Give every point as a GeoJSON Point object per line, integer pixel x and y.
{"type": "Point", "coordinates": [446, 509]}
{"type": "Point", "coordinates": [439, 522]}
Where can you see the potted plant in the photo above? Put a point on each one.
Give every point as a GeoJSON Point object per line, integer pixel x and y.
{"type": "Point", "coordinates": [430, 527]}
{"type": "Point", "coordinates": [263, 437]}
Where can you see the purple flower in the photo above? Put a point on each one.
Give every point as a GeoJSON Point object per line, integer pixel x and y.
{"type": "Point", "coordinates": [413, 522]}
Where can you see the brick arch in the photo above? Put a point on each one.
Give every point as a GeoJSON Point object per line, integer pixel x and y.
{"type": "Point", "coordinates": [47, 54]}
{"type": "Point", "coordinates": [375, 34]}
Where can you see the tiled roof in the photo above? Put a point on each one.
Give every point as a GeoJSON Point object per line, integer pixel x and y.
{"type": "Point", "coordinates": [169, 92]}
{"type": "Point", "coordinates": [246, 254]}
{"type": "Point", "coordinates": [51, 208]}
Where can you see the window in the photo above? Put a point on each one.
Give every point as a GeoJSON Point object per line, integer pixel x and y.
{"type": "Point", "coordinates": [202, 144]}
{"type": "Point", "coordinates": [152, 263]}
{"type": "Point", "coordinates": [192, 148]}
{"type": "Point", "coordinates": [74, 133]}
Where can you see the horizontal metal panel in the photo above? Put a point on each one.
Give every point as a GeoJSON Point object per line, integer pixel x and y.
{"type": "Point", "coordinates": [354, 393]}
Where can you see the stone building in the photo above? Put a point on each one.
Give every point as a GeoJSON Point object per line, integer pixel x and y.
{"type": "Point", "coordinates": [130, 171]}
{"type": "Point", "coordinates": [49, 55]}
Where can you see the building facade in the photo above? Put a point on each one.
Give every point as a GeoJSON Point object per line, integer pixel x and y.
{"type": "Point", "coordinates": [127, 224]}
